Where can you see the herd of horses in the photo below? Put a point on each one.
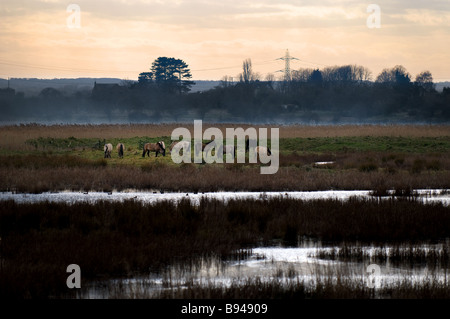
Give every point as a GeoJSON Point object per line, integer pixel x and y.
{"type": "Point", "coordinates": [160, 148]}
{"type": "Point", "coordinates": [108, 148]}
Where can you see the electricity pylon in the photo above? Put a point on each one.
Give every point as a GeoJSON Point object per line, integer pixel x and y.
{"type": "Point", "coordinates": [287, 65]}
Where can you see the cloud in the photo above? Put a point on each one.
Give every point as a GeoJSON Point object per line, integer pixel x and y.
{"type": "Point", "coordinates": [126, 35]}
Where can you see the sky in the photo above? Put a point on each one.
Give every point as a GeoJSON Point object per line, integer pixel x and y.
{"type": "Point", "coordinates": [120, 39]}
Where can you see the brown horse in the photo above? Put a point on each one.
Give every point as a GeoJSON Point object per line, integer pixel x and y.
{"type": "Point", "coordinates": [158, 147]}
{"type": "Point", "coordinates": [171, 146]}
{"type": "Point", "coordinates": [120, 148]}
{"type": "Point", "coordinates": [180, 145]}
{"type": "Point", "coordinates": [107, 149]}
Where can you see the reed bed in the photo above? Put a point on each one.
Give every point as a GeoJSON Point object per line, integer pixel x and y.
{"type": "Point", "coordinates": [14, 136]}
{"type": "Point", "coordinates": [111, 240]}
{"type": "Point", "coordinates": [97, 175]}
{"type": "Point", "coordinates": [325, 287]}
{"type": "Point", "coordinates": [411, 254]}
{"type": "Point", "coordinates": [334, 283]}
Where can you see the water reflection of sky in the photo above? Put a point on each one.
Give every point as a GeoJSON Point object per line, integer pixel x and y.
{"type": "Point", "coordinates": [264, 263]}
{"type": "Point", "coordinates": [150, 197]}
{"type": "Point", "coordinates": [268, 264]}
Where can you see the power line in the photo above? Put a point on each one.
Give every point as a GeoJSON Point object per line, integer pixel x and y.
{"type": "Point", "coordinates": [214, 69]}
{"type": "Point", "coordinates": [287, 70]}
{"type": "Point", "coordinates": [233, 67]}
{"type": "Point", "coordinates": [57, 68]}
{"type": "Point", "coordinates": [60, 68]}
{"type": "Point", "coordinates": [313, 62]}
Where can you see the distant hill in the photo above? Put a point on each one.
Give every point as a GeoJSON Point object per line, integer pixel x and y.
{"type": "Point", "coordinates": [204, 85]}
{"type": "Point", "coordinates": [440, 86]}
{"type": "Point", "coordinates": [33, 86]}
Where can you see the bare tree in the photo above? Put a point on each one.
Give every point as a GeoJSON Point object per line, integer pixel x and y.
{"type": "Point", "coordinates": [361, 73]}
{"type": "Point", "coordinates": [247, 75]}
{"type": "Point", "coordinates": [301, 75]}
{"type": "Point", "coordinates": [385, 76]}
{"type": "Point", "coordinates": [270, 79]}
{"type": "Point", "coordinates": [346, 73]}
{"type": "Point", "coordinates": [425, 80]}
{"type": "Point", "coordinates": [226, 81]}
{"type": "Point", "coordinates": [396, 75]}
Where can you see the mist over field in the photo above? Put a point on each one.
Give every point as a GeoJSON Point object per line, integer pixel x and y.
{"type": "Point", "coordinates": [302, 100]}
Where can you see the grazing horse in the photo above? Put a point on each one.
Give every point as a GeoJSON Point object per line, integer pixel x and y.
{"type": "Point", "coordinates": [201, 147]}
{"type": "Point", "coordinates": [262, 150]}
{"type": "Point", "coordinates": [247, 144]}
{"type": "Point", "coordinates": [158, 147]}
{"type": "Point", "coordinates": [120, 148]}
{"type": "Point", "coordinates": [228, 149]}
{"type": "Point", "coordinates": [107, 149]}
{"type": "Point", "coordinates": [180, 145]}
{"type": "Point", "coordinates": [171, 146]}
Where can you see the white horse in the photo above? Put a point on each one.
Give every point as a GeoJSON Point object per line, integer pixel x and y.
{"type": "Point", "coordinates": [107, 149]}
{"type": "Point", "coordinates": [262, 150]}
{"type": "Point", "coordinates": [228, 149]}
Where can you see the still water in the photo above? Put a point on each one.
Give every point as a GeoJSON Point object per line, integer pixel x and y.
{"type": "Point", "coordinates": [268, 264]}
{"type": "Point", "coordinates": [277, 262]}
{"type": "Point", "coordinates": [426, 195]}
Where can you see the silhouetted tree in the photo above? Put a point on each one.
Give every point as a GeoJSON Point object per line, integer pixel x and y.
{"type": "Point", "coordinates": [270, 80]}
{"type": "Point", "coordinates": [316, 77]}
{"type": "Point", "coordinates": [425, 81]}
{"type": "Point", "coordinates": [169, 74]}
{"type": "Point", "coordinates": [226, 81]}
{"type": "Point", "coordinates": [145, 78]}
{"type": "Point", "coordinates": [50, 93]}
{"type": "Point", "coordinates": [346, 74]}
{"type": "Point", "coordinates": [247, 75]}
{"type": "Point", "coordinates": [395, 76]}
{"type": "Point", "coordinates": [301, 75]}
{"type": "Point", "coordinates": [361, 73]}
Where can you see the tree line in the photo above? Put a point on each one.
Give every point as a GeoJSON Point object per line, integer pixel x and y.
{"type": "Point", "coordinates": [333, 94]}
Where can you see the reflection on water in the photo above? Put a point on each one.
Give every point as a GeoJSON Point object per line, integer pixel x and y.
{"type": "Point", "coordinates": [151, 197]}
{"type": "Point", "coordinates": [306, 262]}
{"type": "Point", "coordinates": [266, 264]}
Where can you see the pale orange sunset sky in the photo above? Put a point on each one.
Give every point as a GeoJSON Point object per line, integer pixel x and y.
{"type": "Point", "coordinates": [119, 38]}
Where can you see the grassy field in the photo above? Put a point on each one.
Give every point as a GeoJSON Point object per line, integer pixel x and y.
{"type": "Point", "coordinates": [38, 240]}
{"type": "Point", "coordinates": [36, 158]}
{"type": "Point", "coordinates": [14, 136]}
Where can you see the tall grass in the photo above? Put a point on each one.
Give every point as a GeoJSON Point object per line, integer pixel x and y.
{"type": "Point", "coordinates": [68, 173]}
{"type": "Point", "coordinates": [120, 239]}
{"type": "Point", "coordinates": [14, 136]}
{"type": "Point", "coordinates": [332, 284]}
{"type": "Point", "coordinates": [412, 254]}
{"type": "Point", "coordinates": [49, 161]}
